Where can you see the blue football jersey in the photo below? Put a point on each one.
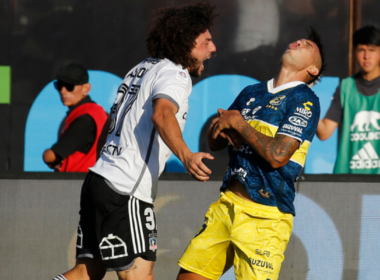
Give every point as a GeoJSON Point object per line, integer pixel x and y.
{"type": "Point", "coordinates": [291, 109]}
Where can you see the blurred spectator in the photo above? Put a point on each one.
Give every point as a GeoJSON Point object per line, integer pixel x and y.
{"type": "Point", "coordinates": [355, 108]}
{"type": "Point", "coordinates": [75, 150]}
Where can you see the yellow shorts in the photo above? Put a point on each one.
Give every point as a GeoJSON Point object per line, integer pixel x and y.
{"type": "Point", "coordinates": [253, 237]}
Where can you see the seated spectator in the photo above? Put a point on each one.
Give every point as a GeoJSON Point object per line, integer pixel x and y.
{"type": "Point", "coordinates": [355, 108]}
{"type": "Point", "coordinates": [75, 150]}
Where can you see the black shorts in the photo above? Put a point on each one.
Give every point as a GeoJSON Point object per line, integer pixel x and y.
{"type": "Point", "coordinates": [117, 228]}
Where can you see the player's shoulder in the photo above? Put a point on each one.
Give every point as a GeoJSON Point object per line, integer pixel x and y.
{"type": "Point", "coordinates": [304, 91]}
{"type": "Point", "coordinates": [255, 87]}
{"type": "Point", "coordinates": [169, 68]}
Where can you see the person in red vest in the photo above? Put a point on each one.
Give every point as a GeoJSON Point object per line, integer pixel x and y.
{"type": "Point", "coordinates": [75, 150]}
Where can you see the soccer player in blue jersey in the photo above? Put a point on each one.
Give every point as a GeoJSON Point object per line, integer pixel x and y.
{"type": "Point", "coordinates": [268, 129]}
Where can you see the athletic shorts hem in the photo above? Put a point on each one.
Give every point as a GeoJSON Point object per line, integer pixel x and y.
{"type": "Point", "coordinates": [81, 256]}
{"type": "Point", "coordinates": [196, 271]}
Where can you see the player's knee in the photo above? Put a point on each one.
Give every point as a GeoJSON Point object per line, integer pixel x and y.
{"type": "Point", "coordinates": [87, 269]}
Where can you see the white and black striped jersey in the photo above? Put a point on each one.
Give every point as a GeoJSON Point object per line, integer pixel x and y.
{"type": "Point", "coordinates": [134, 155]}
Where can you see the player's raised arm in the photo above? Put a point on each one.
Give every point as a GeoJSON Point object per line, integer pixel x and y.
{"type": "Point", "coordinates": [167, 126]}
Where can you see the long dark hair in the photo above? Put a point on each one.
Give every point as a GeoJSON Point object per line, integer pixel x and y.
{"type": "Point", "coordinates": [175, 29]}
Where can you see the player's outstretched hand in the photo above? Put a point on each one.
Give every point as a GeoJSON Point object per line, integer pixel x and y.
{"type": "Point", "coordinates": [195, 166]}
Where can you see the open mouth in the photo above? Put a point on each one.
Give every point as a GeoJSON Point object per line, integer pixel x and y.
{"type": "Point", "coordinates": [293, 46]}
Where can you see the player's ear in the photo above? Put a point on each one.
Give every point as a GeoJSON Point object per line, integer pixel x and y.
{"type": "Point", "coordinates": [313, 70]}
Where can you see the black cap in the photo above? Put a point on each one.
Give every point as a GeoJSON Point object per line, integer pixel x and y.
{"type": "Point", "coordinates": [73, 74]}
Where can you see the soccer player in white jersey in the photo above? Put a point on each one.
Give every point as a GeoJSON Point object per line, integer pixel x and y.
{"type": "Point", "coordinates": [117, 228]}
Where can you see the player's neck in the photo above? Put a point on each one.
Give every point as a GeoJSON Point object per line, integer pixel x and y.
{"type": "Point", "coordinates": [285, 76]}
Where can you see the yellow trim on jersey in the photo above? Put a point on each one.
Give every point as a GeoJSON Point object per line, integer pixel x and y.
{"type": "Point", "coordinates": [264, 127]}
{"type": "Point", "coordinates": [299, 155]}
{"type": "Point", "coordinates": [270, 130]}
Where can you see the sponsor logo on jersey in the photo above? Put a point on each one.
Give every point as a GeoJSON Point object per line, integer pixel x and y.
{"type": "Point", "coordinates": [277, 101]}
{"type": "Point", "coordinates": [366, 158]}
{"type": "Point", "coordinates": [254, 111]}
{"type": "Point", "coordinates": [307, 104]}
{"type": "Point", "coordinates": [112, 247]}
{"type": "Point", "coordinates": [181, 76]}
{"type": "Point", "coordinates": [244, 149]}
{"type": "Point", "coordinates": [263, 193]}
{"type": "Point", "coordinates": [153, 243]}
{"type": "Point", "coordinates": [292, 128]}
{"type": "Point", "coordinates": [242, 173]}
{"type": "Point", "coordinates": [298, 121]}
{"type": "Point", "coordinates": [252, 116]}
{"type": "Point", "coordinates": [112, 150]}
{"type": "Point", "coordinates": [245, 111]}
{"type": "Point", "coordinates": [202, 229]}
{"type": "Point", "coordinates": [303, 112]}
{"type": "Point", "coordinates": [261, 263]}
{"type": "Point", "coordinates": [262, 253]}
{"type": "Point", "coordinates": [251, 101]}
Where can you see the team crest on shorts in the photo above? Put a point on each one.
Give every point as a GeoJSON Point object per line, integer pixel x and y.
{"type": "Point", "coordinates": [153, 243]}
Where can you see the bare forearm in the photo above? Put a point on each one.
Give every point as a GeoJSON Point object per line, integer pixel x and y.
{"type": "Point", "coordinates": [276, 151]}
{"type": "Point", "coordinates": [170, 132]}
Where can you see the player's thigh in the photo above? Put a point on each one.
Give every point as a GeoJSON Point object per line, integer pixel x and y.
{"type": "Point", "coordinates": [210, 252]}
{"type": "Point", "coordinates": [87, 269]}
{"type": "Point", "coordinates": [139, 270]}
{"type": "Point", "coordinates": [260, 243]}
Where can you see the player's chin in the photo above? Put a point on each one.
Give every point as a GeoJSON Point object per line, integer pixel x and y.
{"type": "Point", "coordinates": [196, 72]}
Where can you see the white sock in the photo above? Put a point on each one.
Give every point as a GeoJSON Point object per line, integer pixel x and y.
{"type": "Point", "coordinates": [60, 277]}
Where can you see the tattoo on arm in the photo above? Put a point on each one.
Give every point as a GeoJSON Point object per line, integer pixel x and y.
{"type": "Point", "coordinates": [133, 267]}
{"type": "Point", "coordinates": [281, 147]}
{"type": "Point", "coordinates": [271, 149]}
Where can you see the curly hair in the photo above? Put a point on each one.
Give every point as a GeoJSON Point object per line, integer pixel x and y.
{"type": "Point", "coordinates": [175, 30]}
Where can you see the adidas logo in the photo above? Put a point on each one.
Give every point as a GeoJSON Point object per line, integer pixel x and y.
{"type": "Point", "coordinates": [366, 158]}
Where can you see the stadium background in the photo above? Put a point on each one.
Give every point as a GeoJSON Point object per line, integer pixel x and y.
{"type": "Point", "coordinates": [338, 219]}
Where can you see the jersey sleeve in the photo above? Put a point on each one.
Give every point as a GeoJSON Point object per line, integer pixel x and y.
{"type": "Point", "coordinates": [301, 118]}
{"type": "Point", "coordinates": [173, 85]}
{"type": "Point", "coordinates": [237, 104]}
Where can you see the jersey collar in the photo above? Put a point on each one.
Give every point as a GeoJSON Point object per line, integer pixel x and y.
{"type": "Point", "coordinates": [282, 87]}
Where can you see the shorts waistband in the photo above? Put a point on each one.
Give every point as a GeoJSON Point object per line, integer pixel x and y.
{"type": "Point", "coordinates": [250, 205]}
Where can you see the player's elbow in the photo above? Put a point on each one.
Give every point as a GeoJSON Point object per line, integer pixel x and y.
{"type": "Point", "coordinates": [279, 162]}
{"type": "Point", "coordinates": [323, 136]}
{"type": "Point", "coordinates": [157, 119]}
